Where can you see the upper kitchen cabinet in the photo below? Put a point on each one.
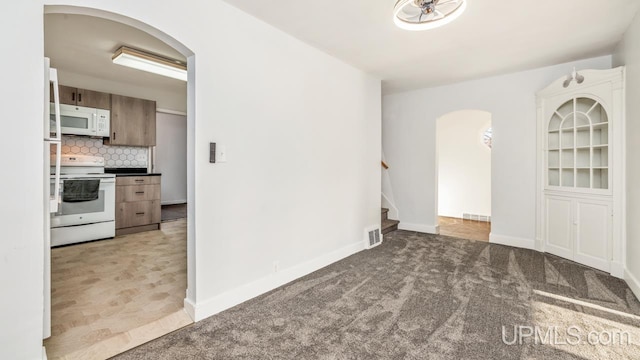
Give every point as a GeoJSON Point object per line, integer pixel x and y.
{"type": "Point", "coordinates": [82, 97]}
{"type": "Point", "coordinates": [133, 121]}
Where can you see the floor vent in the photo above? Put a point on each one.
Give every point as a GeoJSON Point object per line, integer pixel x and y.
{"type": "Point", "coordinates": [375, 238]}
{"type": "Point", "coordinates": [474, 217]}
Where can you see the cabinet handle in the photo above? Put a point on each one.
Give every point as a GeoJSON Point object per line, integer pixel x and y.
{"type": "Point", "coordinates": [114, 136]}
{"type": "Point", "coordinates": [73, 96]}
{"type": "Point", "coordinates": [139, 192]}
{"type": "Point", "coordinates": [139, 213]}
{"type": "Point", "coordinates": [79, 97]}
{"type": "Point", "coordinates": [139, 180]}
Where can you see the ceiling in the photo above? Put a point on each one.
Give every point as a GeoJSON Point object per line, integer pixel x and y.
{"type": "Point", "coordinates": [84, 45]}
{"type": "Point", "coordinates": [492, 37]}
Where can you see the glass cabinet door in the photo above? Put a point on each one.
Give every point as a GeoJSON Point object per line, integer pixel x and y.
{"type": "Point", "coordinates": [578, 145]}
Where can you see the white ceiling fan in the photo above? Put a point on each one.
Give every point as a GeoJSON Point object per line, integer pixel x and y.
{"type": "Point", "coordinates": [426, 14]}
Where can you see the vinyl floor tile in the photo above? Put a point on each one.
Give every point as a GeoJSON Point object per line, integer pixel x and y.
{"type": "Point", "coordinates": [103, 291]}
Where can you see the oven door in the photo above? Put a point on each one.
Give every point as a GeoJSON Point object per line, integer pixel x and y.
{"type": "Point", "coordinates": [86, 212]}
{"type": "Point", "coordinates": [76, 120]}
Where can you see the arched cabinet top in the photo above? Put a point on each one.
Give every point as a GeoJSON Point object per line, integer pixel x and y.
{"type": "Point", "coordinates": [591, 78]}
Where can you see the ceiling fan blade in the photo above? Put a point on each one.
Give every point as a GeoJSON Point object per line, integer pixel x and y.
{"type": "Point", "coordinates": [420, 18]}
{"type": "Point", "coordinates": [437, 15]}
{"type": "Point", "coordinates": [410, 11]}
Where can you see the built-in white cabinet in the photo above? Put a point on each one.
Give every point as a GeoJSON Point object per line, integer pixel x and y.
{"type": "Point", "coordinates": [593, 232]}
{"type": "Point", "coordinates": [580, 169]}
{"type": "Point", "coordinates": [578, 145]}
{"type": "Point", "coordinates": [579, 229]}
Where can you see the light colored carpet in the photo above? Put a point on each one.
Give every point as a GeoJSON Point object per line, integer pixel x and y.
{"type": "Point", "coordinates": [420, 296]}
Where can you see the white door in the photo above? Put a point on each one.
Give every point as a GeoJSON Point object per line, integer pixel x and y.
{"type": "Point", "coordinates": [559, 226]}
{"type": "Point", "coordinates": [593, 233]}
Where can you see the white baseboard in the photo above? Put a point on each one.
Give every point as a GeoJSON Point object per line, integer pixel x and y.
{"type": "Point", "coordinates": [203, 309]}
{"type": "Point", "coordinates": [539, 245]}
{"type": "Point", "coordinates": [512, 241]}
{"type": "Point", "coordinates": [427, 229]}
{"type": "Point", "coordinates": [190, 308]}
{"type": "Point", "coordinates": [173, 202]}
{"type": "Point", "coordinates": [617, 270]}
{"type": "Point", "coordinates": [633, 283]}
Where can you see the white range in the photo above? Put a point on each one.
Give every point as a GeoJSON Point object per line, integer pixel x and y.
{"type": "Point", "coordinates": [86, 201]}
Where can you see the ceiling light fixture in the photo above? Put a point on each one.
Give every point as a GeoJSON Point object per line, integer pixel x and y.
{"type": "Point", "coordinates": [419, 15]}
{"type": "Point", "coordinates": [152, 63]}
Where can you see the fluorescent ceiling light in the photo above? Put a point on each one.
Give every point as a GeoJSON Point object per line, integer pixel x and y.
{"type": "Point", "coordinates": [152, 63]}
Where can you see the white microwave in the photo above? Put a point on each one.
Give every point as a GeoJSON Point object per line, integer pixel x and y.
{"type": "Point", "coordinates": [80, 120]}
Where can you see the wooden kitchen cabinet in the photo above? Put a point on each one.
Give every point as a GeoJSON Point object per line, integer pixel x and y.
{"type": "Point", "coordinates": [139, 214]}
{"type": "Point", "coordinates": [133, 121]}
{"type": "Point", "coordinates": [83, 97]}
{"type": "Point", "coordinates": [67, 95]}
{"type": "Point", "coordinates": [94, 99]}
{"type": "Point", "coordinates": [137, 204]}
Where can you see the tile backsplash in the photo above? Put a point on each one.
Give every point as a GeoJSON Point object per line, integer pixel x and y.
{"type": "Point", "coordinates": [114, 156]}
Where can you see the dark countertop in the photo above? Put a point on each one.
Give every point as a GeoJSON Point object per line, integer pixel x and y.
{"type": "Point", "coordinates": [130, 172]}
{"type": "Point", "coordinates": [136, 174]}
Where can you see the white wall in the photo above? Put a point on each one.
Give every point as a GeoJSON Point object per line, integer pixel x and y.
{"type": "Point", "coordinates": [302, 180]}
{"type": "Point", "coordinates": [21, 212]}
{"type": "Point", "coordinates": [628, 53]}
{"type": "Point", "coordinates": [171, 156]}
{"type": "Point", "coordinates": [464, 164]}
{"type": "Point", "coordinates": [409, 136]}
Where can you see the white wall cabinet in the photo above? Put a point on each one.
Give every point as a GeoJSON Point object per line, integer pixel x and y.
{"type": "Point", "coordinates": [593, 232]}
{"type": "Point", "coordinates": [559, 229]}
{"type": "Point", "coordinates": [579, 229]}
{"type": "Point", "coordinates": [581, 170]}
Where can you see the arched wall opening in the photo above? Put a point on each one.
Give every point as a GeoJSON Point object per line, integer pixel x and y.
{"type": "Point", "coordinates": [191, 119]}
{"type": "Point", "coordinates": [463, 167]}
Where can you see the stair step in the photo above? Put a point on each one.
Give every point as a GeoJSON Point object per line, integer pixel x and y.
{"type": "Point", "coordinates": [389, 226]}
{"type": "Point", "coordinates": [384, 214]}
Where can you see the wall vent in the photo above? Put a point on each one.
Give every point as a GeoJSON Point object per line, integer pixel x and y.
{"type": "Point", "coordinates": [374, 238]}
{"type": "Point", "coordinates": [475, 217]}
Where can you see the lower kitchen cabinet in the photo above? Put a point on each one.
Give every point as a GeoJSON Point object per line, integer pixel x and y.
{"type": "Point", "coordinates": [137, 204]}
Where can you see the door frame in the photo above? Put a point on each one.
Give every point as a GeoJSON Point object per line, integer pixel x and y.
{"type": "Point", "coordinates": [437, 165]}
{"type": "Point", "coordinates": [191, 121]}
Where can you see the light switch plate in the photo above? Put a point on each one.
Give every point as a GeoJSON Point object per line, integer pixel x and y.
{"type": "Point", "coordinates": [221, 153]}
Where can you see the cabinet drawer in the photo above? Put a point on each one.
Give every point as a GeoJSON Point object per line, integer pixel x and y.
{"type": "Point", "coordinates": [137, 213]}
{"type": "Point", "coordinates": [137, 180]}
{"type": "Point", "coordinates": [137, 193]}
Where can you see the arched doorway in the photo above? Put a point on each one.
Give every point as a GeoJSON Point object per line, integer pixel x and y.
{"type": "Point", "coordinates": [463, 140]}
{"type": "Point", "coordinates": [190, 115]}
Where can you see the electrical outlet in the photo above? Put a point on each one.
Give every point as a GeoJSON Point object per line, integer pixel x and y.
{"type": "Point", "coordinates": [276, 266]}
{"type": "Point", "coordinates": [141, 157]}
